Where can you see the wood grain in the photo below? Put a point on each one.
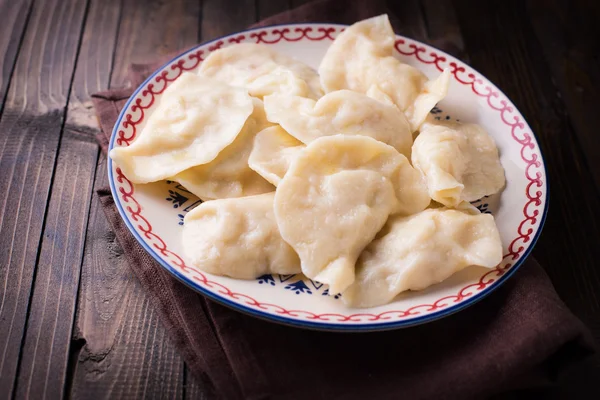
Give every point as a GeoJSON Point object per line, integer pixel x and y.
{"type": "Point", "coordinates": [47, 342]}
{"type": "Point", "coordinates": [14, 21]}
{"type": "Point", "coordinates": [151, 29]}
{"type": "Point", "coordinates": [45, 351]}
{"type": "Point", "coordinates": [568, 248]}
{"type": "Point", "coordinates": [125, 352]}
{"type": "Point", "coordinates": [443, 30]}
{"type": "Point", "coordinates": [407, 19]}
{"type": "Point", "coordinates": [542, 54]}
{"type": "Point", "coordinates": [94, 65]}
{"type": "Point", "coordinates": [569, 33]}
{"type": "Point", "coordinates": [222, 17]}
{"type": "Point", "coordinates": [30, 129]}
{"type": "Point", "coordinates": [268, 8]}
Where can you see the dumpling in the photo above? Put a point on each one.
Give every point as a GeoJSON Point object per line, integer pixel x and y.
{"type": "Point", "coordinates": [460, 162]}
{"type": "Point", "coordinates": [336, 196]}
{"type": "Point", "coordinates": [340, 112]}
{"type": "Point", "coordinates": [414, 252]}
{"type": "Point", "coordinates": [273, 152]}
{"type": "Point", "coordinates": [262, 71]}
{"type": "Point", "coordinates": [185, 130]}
{"type": "Point", "coordinates": [229, 175]}
{"type": "Point", "coordinates": [237, 238]}
{"type": "Point", "coordinates": [361, 59]}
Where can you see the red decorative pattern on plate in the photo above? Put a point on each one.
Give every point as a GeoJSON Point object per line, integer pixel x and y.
{"type": "Point", "coordinates": [276, 35]}
{"type": "Point", "coordinates": [191, 60]}
{"type": "Point", "coordinates": [155, 87]}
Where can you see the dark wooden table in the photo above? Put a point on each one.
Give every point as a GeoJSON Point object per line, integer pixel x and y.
{"type": "Point", "coordinates": [74, 321]}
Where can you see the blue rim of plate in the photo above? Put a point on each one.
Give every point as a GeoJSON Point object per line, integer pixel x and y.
{"type": "Point", "coordinates": [309, 324]}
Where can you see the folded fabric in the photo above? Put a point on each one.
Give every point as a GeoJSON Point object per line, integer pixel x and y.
{"type": "Point", "coordinates": [520, 335]}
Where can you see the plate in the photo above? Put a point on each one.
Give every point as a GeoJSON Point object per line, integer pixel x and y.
{"type": "Point", "coordinates": [154, 212]}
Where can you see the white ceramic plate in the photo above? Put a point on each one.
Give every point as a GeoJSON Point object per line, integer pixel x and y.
{"type": "Point", "coordinates": [154, 212]}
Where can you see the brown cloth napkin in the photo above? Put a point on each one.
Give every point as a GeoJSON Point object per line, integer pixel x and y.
{"type": "Point", "coordinates": [521, 335]}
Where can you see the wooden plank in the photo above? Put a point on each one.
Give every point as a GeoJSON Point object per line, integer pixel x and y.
{"type": "Point", "coordinates": [150, 30]}
{"type": "Point", "coordinates": [45, 351]}
{"type": "Point", "coordinates": [407, 19]}
{"type": "Point", "coordinates": [14, 20]}
{"type": "Point", "coordinates": [222, 17]}
{"type": "Point", "coordinates": [29, 135]}
{"type": "Point", "coordinates": [94, 65]}
{"type": "Point", "coordinates": [125, 351]}
{"type": "Point", "coordinates": [569, 33]}
{"type": "Point", "coordinates": [267, 8]}
{"type": "Point", "coordinates": [568, 248]}
{"type": "Point", "coordinates": [443, 30]}
{"type": "Point", "coordinates": [45, 354]}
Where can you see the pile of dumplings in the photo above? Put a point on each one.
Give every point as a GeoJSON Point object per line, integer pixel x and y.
{"type": "Point", "coordinates": [337, 174]}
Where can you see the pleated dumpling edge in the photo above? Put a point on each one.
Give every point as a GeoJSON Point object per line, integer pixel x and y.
{"type": "Point", "coordinates": [184, 130]}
